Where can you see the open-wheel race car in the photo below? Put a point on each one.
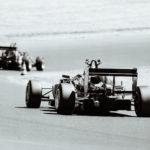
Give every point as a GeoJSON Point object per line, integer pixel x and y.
{"type": "Point", "coordinates": [13, 59]}
{"type": "Point", "coordinates": [10, 58]}
{"type": "Point", "coordinates": [92, 92]}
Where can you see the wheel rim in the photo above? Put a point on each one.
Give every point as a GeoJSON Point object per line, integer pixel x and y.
{"type": "Point", "coordinates": [57, 99]}
{"type": "Point", "coordinates": [42, 67]}
{"type": "Point", "coordinates": [28, 94]}
{"type": "Point", "coordinates": [30, 66]}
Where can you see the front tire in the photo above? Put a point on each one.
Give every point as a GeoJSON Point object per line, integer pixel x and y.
{"type": "Point", "coordinates": [33, 94]}
{"type": "Point", "coordinates": [65, 99]}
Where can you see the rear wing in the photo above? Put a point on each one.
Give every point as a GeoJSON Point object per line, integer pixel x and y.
{"type": "Point", "coordinates": [113, 72]}
{"type": "Point", "coordinates": [8, 48]}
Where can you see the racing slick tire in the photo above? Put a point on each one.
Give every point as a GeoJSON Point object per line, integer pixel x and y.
{"type": "Point", "coordinates": [88, 107]}
{"type": "Point", "coordinates": [102, 110]}
{"type": "Point", "coordinates": [65, 99]}
{"type": "Point", "coordinates": [33, 94]}
{"type": "Point", "coordinates": [142, 101]}
{"type": "Point", "coordinates": [39, 64]}
{"type": "Point", "coordinates": [4, 66]}
{"type": "Point", "coordinates": [28, 65]}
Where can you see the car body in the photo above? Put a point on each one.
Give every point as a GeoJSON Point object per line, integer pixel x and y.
{"type": "Point", "coordinates": [92, 92]}
{"type": "Point", "coordinates": [10, 58]}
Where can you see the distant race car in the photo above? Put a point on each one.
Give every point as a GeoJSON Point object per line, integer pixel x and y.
{"type": "Point", "coordinates": [13, 59]}
{"type": "Point", "coordinates": [92, 92]}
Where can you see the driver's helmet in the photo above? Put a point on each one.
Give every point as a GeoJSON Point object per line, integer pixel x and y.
{"type": "Point", "coordinates": [95, 79]}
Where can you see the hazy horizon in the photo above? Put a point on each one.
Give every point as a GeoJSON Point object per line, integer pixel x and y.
{"type": "Point", "coordinates": [47, 19]}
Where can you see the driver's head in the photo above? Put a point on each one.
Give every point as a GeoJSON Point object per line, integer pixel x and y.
{"type": "Point", "coordinates": [95, 79]}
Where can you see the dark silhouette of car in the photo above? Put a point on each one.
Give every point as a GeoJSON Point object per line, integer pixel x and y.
{"type": "Point", "coordinates": [92, 92]}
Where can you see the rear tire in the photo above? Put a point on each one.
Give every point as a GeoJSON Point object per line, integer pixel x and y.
{"type": "Point", "coordinates": [142, 101]}
{"type": "Point", "coordinates": [28, 65]}
{"type": "Point", "coordinates": [103, 109]}
{"type": "Point", "coordinates": [88, 107]}
{"type": "Point", "coordinates": [65, 99]}
{"type": "Point", "coordinates": [39, 64]}
{"type": "Point", "coordinates": [33, 94]}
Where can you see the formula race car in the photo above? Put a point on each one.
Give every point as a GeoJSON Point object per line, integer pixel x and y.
{"type": "Point", "coordinates": [92, 92]}
{"type": "Point", "coordinates": [12, 58]}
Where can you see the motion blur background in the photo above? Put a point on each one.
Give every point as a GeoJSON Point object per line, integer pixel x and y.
{"type": "Point", "coordinates": [65, 32]}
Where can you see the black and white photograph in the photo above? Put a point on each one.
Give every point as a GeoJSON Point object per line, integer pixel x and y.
{"type": "Point", "coordinates": [74, 74]}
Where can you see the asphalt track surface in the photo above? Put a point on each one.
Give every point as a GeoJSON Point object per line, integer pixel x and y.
{"type": "Point", "coordinates": [41, 129]}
